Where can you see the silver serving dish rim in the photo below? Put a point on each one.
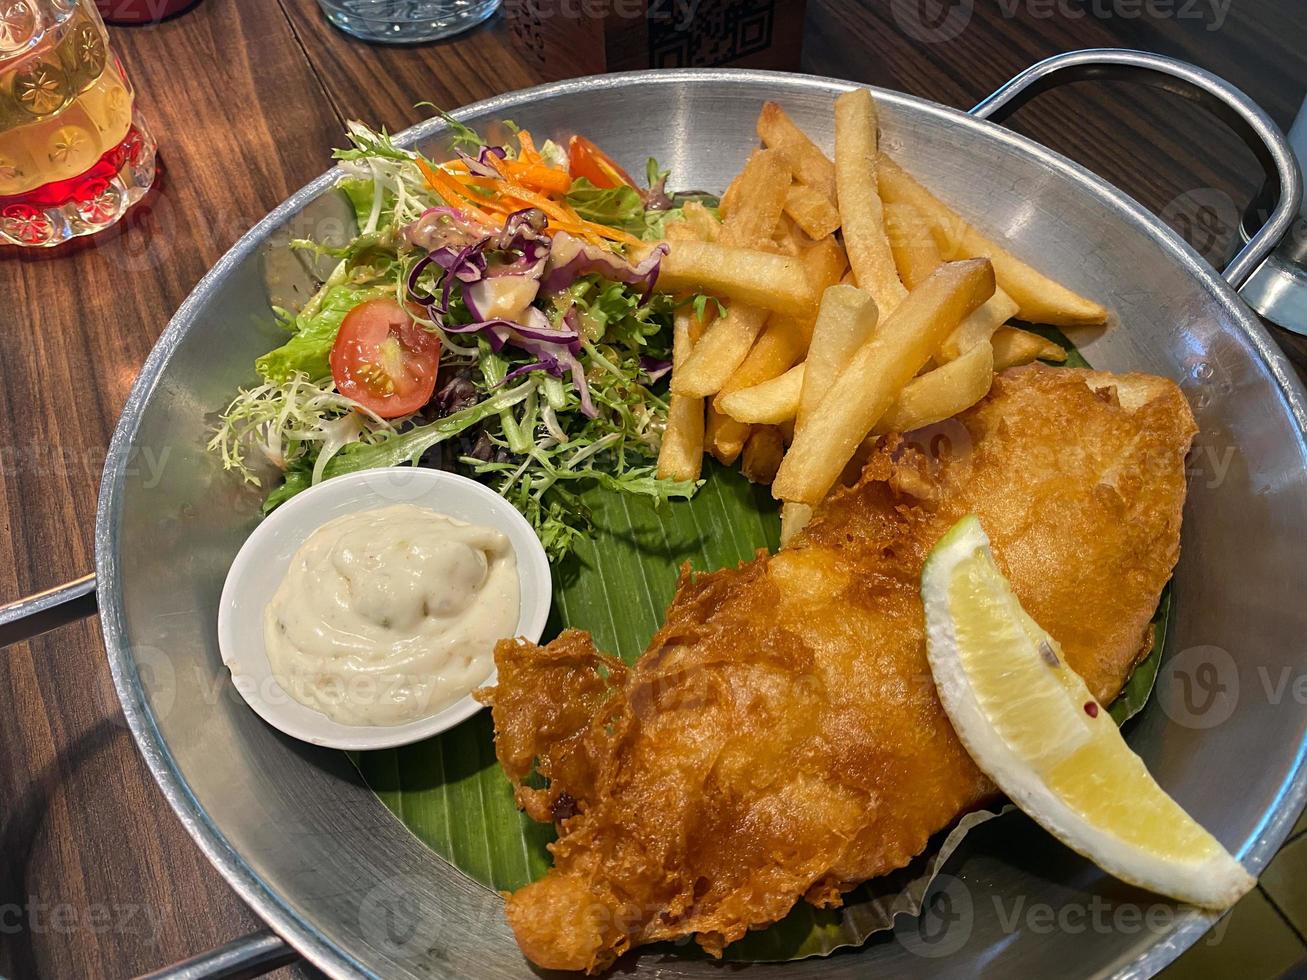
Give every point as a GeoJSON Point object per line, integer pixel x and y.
{"type": "Point", "coordinates": [263, 900]}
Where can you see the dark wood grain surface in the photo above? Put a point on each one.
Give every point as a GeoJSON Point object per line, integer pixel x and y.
{"type": "Point", "coordinates": [247, 98]}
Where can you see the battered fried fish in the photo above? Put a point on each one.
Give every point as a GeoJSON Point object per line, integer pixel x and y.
{"type": "Point", "coordinates": [781, 737]}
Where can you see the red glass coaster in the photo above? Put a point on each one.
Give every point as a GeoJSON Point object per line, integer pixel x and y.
{"type": "Point", "coordinates": [94, 199]}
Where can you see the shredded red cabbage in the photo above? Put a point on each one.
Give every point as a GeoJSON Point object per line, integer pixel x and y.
{"type": "Point", "coordinates": [654, 369]}
{"type": "Point", "coordinates": [477, 261]}
{"type": "Point", "coordinates": [549, 334]}
{"type": "Point", "coordinates": [572, 258]}
{"type": "Point", "coordinates": [555, 349]}
{"type": "Point", "coordinates": [480, 164]}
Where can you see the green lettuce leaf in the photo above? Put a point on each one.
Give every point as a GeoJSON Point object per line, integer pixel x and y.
{"type": "Point", "coordinates": [617, 207]}
{"type": "Point", "coordinates": [622, 207]}
{"type": "Point", "coordinates": [407, 446]}
{"type": "Point", "coordinates": [315, 329]}
{"type": "Point", "coordinates": [359, 192]}
{"type": "Point", "coordinates": [655, 223]}
{"type": "Point", "coordinates": [297, 479]}
{"type": "Point", "coordinates": [611, 312]}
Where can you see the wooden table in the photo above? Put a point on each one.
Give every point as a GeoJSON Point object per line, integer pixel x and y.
{"type": "Point", "coordinates": [97, 877]}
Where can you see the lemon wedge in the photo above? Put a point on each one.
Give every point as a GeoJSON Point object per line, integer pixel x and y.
{"type": "Point", "coordinates": [1032, 726]}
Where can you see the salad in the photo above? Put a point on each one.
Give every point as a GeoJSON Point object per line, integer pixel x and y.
{"type": "Point", "coordinates": [495, 315]}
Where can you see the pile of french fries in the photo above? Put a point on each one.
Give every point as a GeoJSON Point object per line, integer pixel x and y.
{"type": "Point", "coordinates": [853, 303]}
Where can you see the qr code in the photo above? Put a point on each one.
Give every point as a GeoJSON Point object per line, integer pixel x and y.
{"type": "Point", "coordinates": [527, 27]}
{"type": "Point", "coordinates": [718, 32]}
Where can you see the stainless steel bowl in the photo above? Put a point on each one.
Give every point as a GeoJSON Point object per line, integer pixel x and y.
{"type": "Point", "coordinates": [317, 856]}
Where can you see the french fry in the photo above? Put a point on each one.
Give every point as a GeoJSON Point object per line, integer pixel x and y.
{"type": "Point", "coordinates": [928, 398]}
{"type": "Point", "coordinates": [778, 348]}
{"type": "Point", "coordinates": [724, 437]}
{"type": "Point", "coordinates": [1038, 298]}
{"type": "Point", "coordinates": [681, 455]}
{"type": "Point", "coordinates": [806, 160]}
{"type": "Point", "coordinates": [762, 454]}
{"type": "Point", "coordinates": [760, 191]}
{"type": "Point", "coordinates": [721, 350]}
{"type": "Point", "coordinates": [861, 212]}
{"type": "Point", "coordinates": [785, 338]}
{"type": "Point", "coordinates": [941, 393]}
{"type": "Point", "coordinates": [917, 255]}
{"type": "Point", "coordinates": [880, 369]}
{"type": "Point", "coordinates": [1013, 347]}
{"type": "Point", "coordinates": [696, 224]}
{"type": "Point", "coordinates": [768, 403]}
{"type": "Point", "coordinates": [681, 231]}
{"type": "Point", "coordinates": [825, 262]}
{"type": "Point", "coordinates": [730, 197]}
{"type": "Point", "coordinates": [979, 327]}
{"type": "Point", "coordinates": [746, 275]}
{"type": "Point", "coordinates": [705, 224]}
{"type": "Point", "coordinates": [812, 211]}
{"type": "Point", "coordinates": [789, 238]}
{"type": "Point", "coordinates": [794, 518]}
{"type": "Point", "coordinates": [844, 323]}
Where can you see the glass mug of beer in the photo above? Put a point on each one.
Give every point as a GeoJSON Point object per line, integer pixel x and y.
{"type": "Point", "coordinates": [73, 155]}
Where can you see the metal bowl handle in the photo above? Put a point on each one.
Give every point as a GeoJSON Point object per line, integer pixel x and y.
{"type": "Point", "coordinates": [1241, 113]}
{"type": "Point", "coordinates": [250, 956]}
{"type": "Point", "coordinates": [40, 613]}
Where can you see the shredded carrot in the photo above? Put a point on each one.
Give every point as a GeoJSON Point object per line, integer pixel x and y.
{"type": "Point", "coordinates": [527, 147]}
{"type": "Point", "coordinates": [565, 215]}
{"type": "Point", "coordinates": [457, 190]}
{"type": "Point", "coordinates": [536, 176]}
{"type": "Point", "coordinates": [521, 195]}
{"type": "Point", "coordinates": [448, 187]}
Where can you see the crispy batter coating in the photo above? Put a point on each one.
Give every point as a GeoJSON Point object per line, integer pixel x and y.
{"type": "Point", "coordinates": [781, 737]}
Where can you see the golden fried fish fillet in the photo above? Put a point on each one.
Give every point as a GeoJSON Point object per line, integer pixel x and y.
{"type": "Point", "coordinates": [781, 737]}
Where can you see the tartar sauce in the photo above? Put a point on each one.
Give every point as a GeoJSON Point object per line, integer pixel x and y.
{"type": "Point", "coordinates": [389, 615]}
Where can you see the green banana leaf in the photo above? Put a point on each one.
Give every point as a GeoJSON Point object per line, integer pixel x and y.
{"type": "Point", "coordinates": [450, 791]}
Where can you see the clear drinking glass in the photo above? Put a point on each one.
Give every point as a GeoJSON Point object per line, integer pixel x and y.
{"type": "Point", "coordinates": [406, 21]}
{"type": "Point", "coordinates": [73, 154]}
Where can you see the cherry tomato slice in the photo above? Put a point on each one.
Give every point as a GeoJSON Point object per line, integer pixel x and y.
{"type": "Point", "coordinates": [584, 159]}
{"type": "Point", "coordinates": [383, 360]}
